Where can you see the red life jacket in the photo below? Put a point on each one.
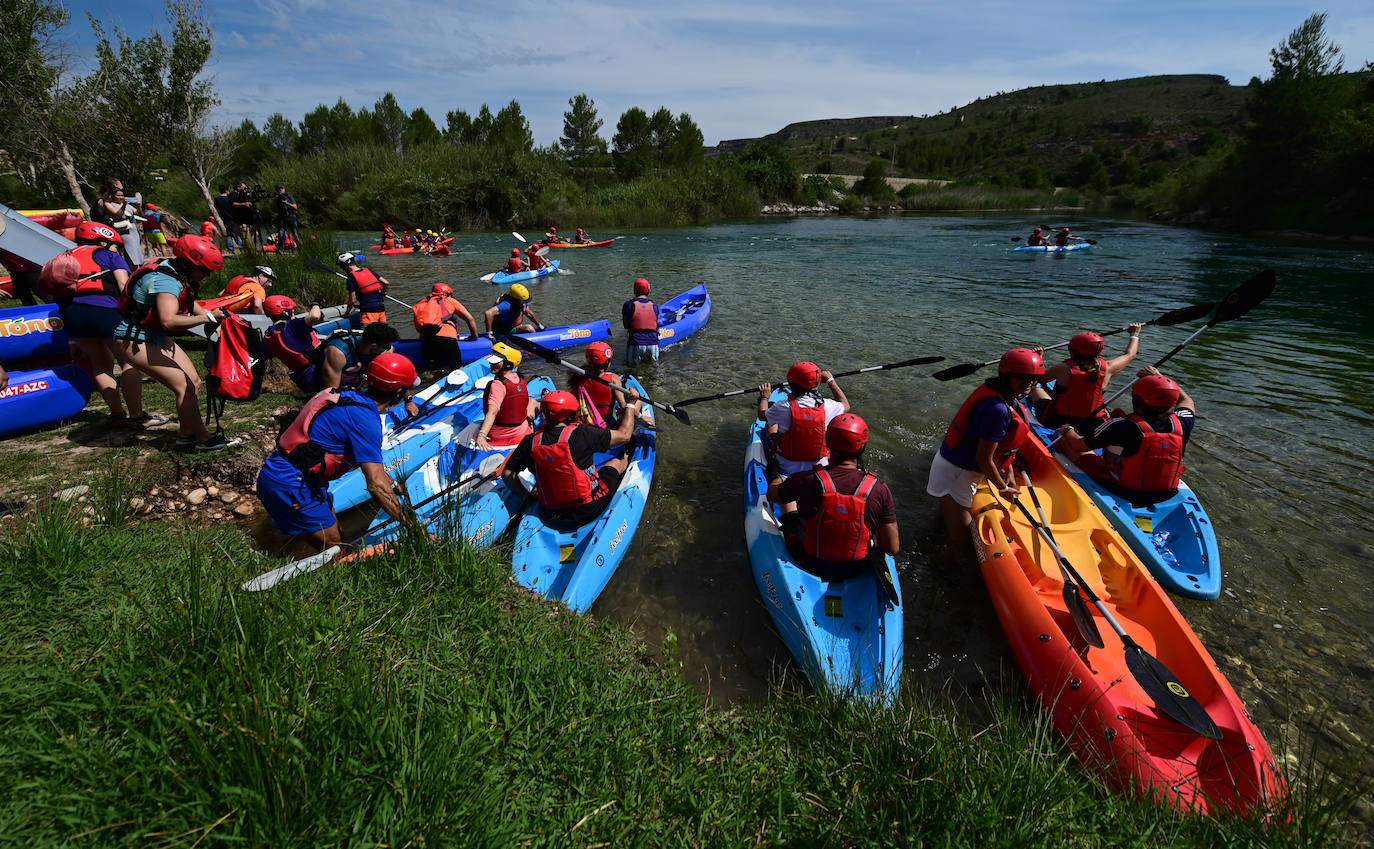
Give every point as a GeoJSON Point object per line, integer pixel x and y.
{"type": "Point", "coordinates": [515, 406]}
{"type": "Point", "coordinates": [804, 440]}
{"type": "Point", "coordinates": [601, 395]}
{"type": "Point", "coordinates": [145, 314]}
{"type": "Point", "coordinates": [152, 223]}
{"type": "Point", "coordinates": [838, 532]}
{"type": "Point", "coordinates": [1157, 466]}
{"type": "Point", "coordinates": [644, 316]}
{"type": "Point", "coordinates": [1083, 394]}
{"type": "Point", "coordinates": [366, 281]}
{"type": "Point", "coordinates": [295, 445]}
{"type": "Point", "coordinates": [233, 286]}
{"type": "Point", "coordinates": [431, 312]}
{"type": "Point", "coordinates": [1007, 447]}
{"type": "Point", "coordinates": [278, 347]}
{"type": "Point", "coordinates": [513, 266]}
{"type": "Point", "coordinates": [537, 262]}
{"type": "Point", "coordinates": [1061, 240]}
{"type": "Point", "coordinates": [561, 483]}
{"type": "Point", "coordinates": [102, 280]}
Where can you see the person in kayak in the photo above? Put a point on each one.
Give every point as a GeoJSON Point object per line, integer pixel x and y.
{"type": "Point", "coordinates": [334, 432]}
{"type": "Point", "coordinates": [794, 433]}
{"type": "Point", "coordinates": [342, 359]}
{"type": "Point", "coordinates": [158, 299]}
{"type": "Point", "coordinates": [639, 316]}
{"type": "Point", "coordinates": [436, 320]}
{"type": "Point", "coordinates": [256, 285]}
{"type": "Point", "coordinates": [1037, 237]}
{"type": "Point", "coordinates": [533, 260]}
{"type": "Point", "coordinates": [509, 409]}
{"type": "Point", "coordinates": [581, 238]}
{"type": "Point", "coordinates": [509, 313]}
{"type": "Point", "coordinates": [1063, 239]}
{"type": "Point", "coordinates": [842, 512]}
{"type": "Point", "coordinates": [571, 490]}
{"type": "Point", "coordinates": [550, 236]}
{"type": "Point", "coordinates": [516, 263]}
{"type": "Point", "coordinates": [1080, 381]}
{"type": "Point", "coordinates": [597, 403]}
{"type": "Point", "coordinates": [366, 290]}
{"type": "Point", "coordinates": [982, 441]}
{"type": "Point", "coordinates": [1142, 453]}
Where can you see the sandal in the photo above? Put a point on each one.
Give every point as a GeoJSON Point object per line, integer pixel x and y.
{"type": "Point", "coordinates": [147, 421]}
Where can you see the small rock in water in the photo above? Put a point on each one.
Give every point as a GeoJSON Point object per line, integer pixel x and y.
{"type": "Point", "coordinates": [196, 496]}
{"type": "Point", "coordinates": [244, 509]}
{"type": "Point", "coordinates": [72, 493]}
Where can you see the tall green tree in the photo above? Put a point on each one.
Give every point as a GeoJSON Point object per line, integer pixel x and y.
{"type": "Point", "coordinates": [510, 132]}
{"type": "Point", "coordinates": [280, 133]}
{"type": "Point", "coordinates": [458, 127]}
{"type": "Point", "coordinates": [632, 144]}
{"type": "Point", "coordinates": [689, 145]}
{"type": "Point", "coordinates": [581, 142]}
{"type": "Point", "coordinates": [389, 121]}
{"type": "Point", "coordinates": [420, 130]}
{"type": "Point", "coordinates": [662, 132]}
{"type": "Point", "coordinates": [771, 172]}
{"type": "Point", "coordinates": [874, 185]}
{"type": "Point", "coordinates": [30, 100]}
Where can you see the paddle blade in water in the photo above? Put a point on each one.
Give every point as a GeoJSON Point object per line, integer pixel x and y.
{"type": "Point", "coordinates": [1246, 296]}
{"type": "Point", "coordinates": [961, 370]}
{"type": "Point", "coordinates": [1167, 692]}
{"type": "Point", "coordinates": [1082, 616]}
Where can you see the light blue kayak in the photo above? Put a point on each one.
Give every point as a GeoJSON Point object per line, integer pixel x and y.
{"type": "Point", "coordinates": [502, 278]}
{"type": "Point", "coordinates": [1174, 538]}
{"type": "Point", "coordinates": [1076, 246]}
{"type": "Point", "coordinates": [574, 566]}
{"type": "Point", "coordinates": [846, 636]}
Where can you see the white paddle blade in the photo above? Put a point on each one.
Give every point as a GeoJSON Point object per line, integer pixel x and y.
{"type": "Point", "coordinates": [268, 580]}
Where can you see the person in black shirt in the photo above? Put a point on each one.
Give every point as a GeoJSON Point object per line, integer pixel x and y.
{"type": "Point", "coordinates": [287, 221]}
{"type": "Point", "coordinates": [224, 206]}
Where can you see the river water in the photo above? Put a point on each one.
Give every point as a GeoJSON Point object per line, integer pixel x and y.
{"type": "Point", "coordinates": [1281, 456]}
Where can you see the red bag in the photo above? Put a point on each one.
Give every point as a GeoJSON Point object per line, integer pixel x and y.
{"type": "Point", "coordinates": [236, 359]}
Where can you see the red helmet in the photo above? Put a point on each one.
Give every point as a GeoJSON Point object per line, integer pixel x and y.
{"type": "Point", "coordinates": [149, 206]}
{"type": "Point", "coordinates": [1065, 230]}
{"type": "Point", "coordinates": [641, 286]}
{"type": "Point", "coordinates": [553, 229]}
{"type": "Point", "coordinates": [804, 374]}
{"type": "Point", "coordinates": [91, 231]}
{"type": "Point", "coordinates": [598, 353]}
{"type": "Point", "coordinates": [1037, 229]}
{"type": "Point", "coordinates": [559, 405]}
{"type": "Point", "coordinates": [441, 289]}
{"type": "Point", "coordinates": [278, 305]}
{"type": "Point", "coordinates": [847, 434]}
{"type": "Point", "coordinates": [579, 229]}
{"type": "Point", "coordinates": [1156, 390]}
{"type": "Point", "coordinates": [515, 252]}
{"type": "Point", "coordinates": [531, 250]}
{"type": "Point", "coordinates": [1086, 344]}
{"type": "Point", "coordinates": [199, 251]}
{"type": "Point", "coordinates": [1022, 361]}
{"type": "Point", "coordinates": [391, 372]}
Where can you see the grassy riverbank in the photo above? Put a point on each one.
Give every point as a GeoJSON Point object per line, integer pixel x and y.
{"type": "Point", "coordinates": [423, 697]}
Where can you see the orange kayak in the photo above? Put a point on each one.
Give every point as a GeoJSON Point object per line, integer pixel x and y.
{"type": "Point", "coordinates": [1099, 706]}
{"type": "Point", "coordinates": [601, 244]}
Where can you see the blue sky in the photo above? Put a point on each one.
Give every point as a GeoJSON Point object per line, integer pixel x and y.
{"type": "Point", "coordinates": [740, 68]}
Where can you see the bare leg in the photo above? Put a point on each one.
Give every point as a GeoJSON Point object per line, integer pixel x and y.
{"type": "Point", "coordinates": [957, 519]}
{"type": "Point", "coordinates": [102, 365]}
{"type": "Point", "coordinates": [325, 538]}
{"type": "Point", "coordinates": [172, 368]}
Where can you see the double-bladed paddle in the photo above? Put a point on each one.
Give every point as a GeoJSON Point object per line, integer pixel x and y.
{"type": "Point", "coordinates": [1168, 319]}
{"type": "Point", "coordinates": [1161, 685]}
{"type": "Point", "coordinates": [917, 361]}
{"type": "Point", "coordinates": [1076, 238]}
{"type": "Point", "coordinates": [316, 265]}
{"type": "Point", "coordinates": [550, 356]}
{"type": "Point", "coordinates": [1073, 596]}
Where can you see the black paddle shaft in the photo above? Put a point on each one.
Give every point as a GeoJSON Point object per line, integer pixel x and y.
{"type": "Point", "coordinates": [915, 361]}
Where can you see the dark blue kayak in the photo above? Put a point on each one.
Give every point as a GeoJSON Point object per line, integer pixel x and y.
{"type": "Point", "coordinates": [683, 315]}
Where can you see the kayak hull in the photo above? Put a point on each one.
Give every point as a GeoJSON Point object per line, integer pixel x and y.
{"type": "Point", "coordinates": [42, 396]}
{"type": "Point", "coordinates": [35, 331]}
{"type": "Point", "coordinates": [604, 243]}
{"type": "Point", "coordinates": [1097, 705]}
{"type": "Point", "coordinates": [683, 315]}
{"type": "Point", "coordinates": [574, 566]}
{"type": "Point", "coordinates": [1054, 249]}
{"type": "Point", "coordinates": [846, 636]}
{"type": "Point", "coordinates": [567, 336]}
{"type": "Point", "coordinates": [501, 278]}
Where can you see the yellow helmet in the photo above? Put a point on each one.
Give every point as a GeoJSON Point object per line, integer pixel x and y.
{"type": "Point", "coordinates": [432, 233]}
{"type": "Point", "coordinates": [507, 353]}
{"type": "Point", "coordinates": [518, 290]}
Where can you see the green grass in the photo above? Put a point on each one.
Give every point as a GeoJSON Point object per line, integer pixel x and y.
{"type": "Point", "coordinates": [421, 698]}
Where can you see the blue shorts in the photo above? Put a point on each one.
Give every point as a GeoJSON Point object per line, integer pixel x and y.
{"type": "Point", "coordinates": [296, 507]}
{"type": "Point", "coordinates": [87, 321]}
{"type": "Point", "coordinates": [640, 353]}
{"type": "Point", "coordinates": [140, 333]}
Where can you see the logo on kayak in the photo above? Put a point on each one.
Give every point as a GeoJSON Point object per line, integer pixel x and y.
{"type": "Point", "coordinates": [25, 389]}
{"type": "Point", "coordinates": [23, 327]}
{"type": "Point", "coordinates": [665, 332]}
{"type": "Point", "coordinates": [1179, 690]}
{"type": "Point", "coordinates": [575, 333]}
{"type": "Point", "coordinates": [618, 535]}
{"type": "Point", "coordinates": [483, 531]}
{"type": "Point", "coordinates": [397, 463]}
{"type": "Point", "coordinates": [772, 590]}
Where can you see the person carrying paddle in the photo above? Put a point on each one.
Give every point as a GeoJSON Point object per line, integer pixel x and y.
{"type": "Point", "coordinates": [1037, 237]}
{"type": "Point", "coordinates": [436, 320]}
{"type": "Point", "coordinates": [509, 409]}
{"type": "Point", "coordinates": [1142, 453]}
{"type": "Point", "coordinates": [1079, 381]}
{"type": "Point", "coordinates": [1062, 238]}
{"type": "Point", "coordinates": [516, 263]}
{"type": "Point", "coordinates": [842, 512]}
{"type": "Point", "coordinates": [366, 290]}
{"type": "Point", "coordinates": [550, 237]}
{"type": "Point", "coordinates": [795, 431]}
{"type": "Point", "coordinates": [255, 285]}
{"type": "Point", "coordinates": [334, 432]}
{"type": "Point", "coordinates": [982, 441]}
{"type": "Point", "coordinates": [571, 490]}
{"type": "Point", "coordinates": [534, 260]}
{"type": "Point", "coordinates": [596, 402]}
{"type": "Point", "coordinates": [581, 238]}
{"type": "Point", "coordinates": [639, 316]}
{"type": "Point", "coordinates": [509, 313]}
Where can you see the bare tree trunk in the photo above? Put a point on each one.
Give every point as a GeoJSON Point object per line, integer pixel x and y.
{"type": "Point", "coordinates": [64, 161]}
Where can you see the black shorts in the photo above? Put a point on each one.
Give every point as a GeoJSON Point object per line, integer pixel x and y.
{"type": "Point", "coordinates": [440, 352]}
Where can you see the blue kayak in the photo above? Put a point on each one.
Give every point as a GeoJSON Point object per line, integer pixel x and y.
{"type": "Point", "coordinates": [43, 396]}
{"type": "Point", "coordinates": [502, 278]}
{"type": "Point", "coordinates": [846, 636]}
{"type": "Point", "coordinates": [567, 336]}
{"type": "Point", "coordinates": [1174, 537]}
{"type": "Point", "coordinates": [1076, 246]}
{"type": "Point", "coordinates": [682, 316]}
{"type": "Point", "coordinates": [574, 566]}
{"type": "Point", "coordinates": [27, 332]}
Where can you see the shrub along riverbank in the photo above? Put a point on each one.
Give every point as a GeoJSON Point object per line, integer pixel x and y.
{"type": "Point", "coordinates": [423, 697]}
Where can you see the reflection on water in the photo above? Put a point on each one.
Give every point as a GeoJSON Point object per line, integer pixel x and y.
{"type": "Point", "coordinates": [1280, 458]}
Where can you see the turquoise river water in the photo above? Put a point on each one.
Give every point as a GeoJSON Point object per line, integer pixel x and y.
{"type": "Point", "coordinates": [1285, 438]}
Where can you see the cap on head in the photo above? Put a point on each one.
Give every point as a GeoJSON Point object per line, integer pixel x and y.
{"type": "Point", "coordinates": [847, 433]}
{"type": "Point", "coordinates": [280, 186]}
{"type": "Point", "coordinates": [519, 292]}
{"type": "Point", "coordinates": [199, 251]}
{"type": "Point", "coordinates": [641, 286]}
{"type": "Point", "coordinates": [599, 353]}
{"type": "Point", "coordinates": [266, 271]}
{"type": "Point", "coordinates": [278, 305]}
{"type": "Point", "coordinates": [91, 232]}
{"type": "Point", "coordinates": [507, 353]}
{"type": "Point", "coordinates": [1086, 344]}
{"type": "Point", "coordinates": [391, 372]}
{"type": "Point", "coordinates": [804, 375]}
{"type": "Point", "coordinates": [1156, 390]}
{"type": "Point", "coordinates": [559, 405]}
{"type": "Point", "coordinates": [1021, 361]}
{"type": "Point", "coordinates": [441, 289]}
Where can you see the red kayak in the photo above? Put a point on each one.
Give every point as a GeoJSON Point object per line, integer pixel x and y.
{"type": "Point", "coordinates": [6, 288]}
{"type": "Point", "coordinates": [447, 241]}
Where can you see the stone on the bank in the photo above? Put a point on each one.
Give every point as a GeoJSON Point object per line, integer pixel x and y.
{"type": "Point", "coordinates": [72, 493]}
{"type": "Point", "coordinates": [229, 497]}
{"type": "Point", "coordinates": [244, 509]}
{"type": "Point", "coordinates": [212, 491]}
{"type": "Point", "coordinates": [196, 496]}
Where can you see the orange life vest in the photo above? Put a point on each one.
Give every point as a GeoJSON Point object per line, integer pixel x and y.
{"type": "Point", "coordinates": [644, 315]}
{"type": "Point", "coordinates": [295, 445]}
{"type": "Point", "coordinates": [1157, 466]}
{"type": "Point", "coordinates": [432, 311]}
{"type": "Point", "coordinates": [1083, 394]}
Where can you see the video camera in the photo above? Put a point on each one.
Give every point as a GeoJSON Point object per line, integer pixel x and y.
{"type": "Point", "coordinates": [257, 193]}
